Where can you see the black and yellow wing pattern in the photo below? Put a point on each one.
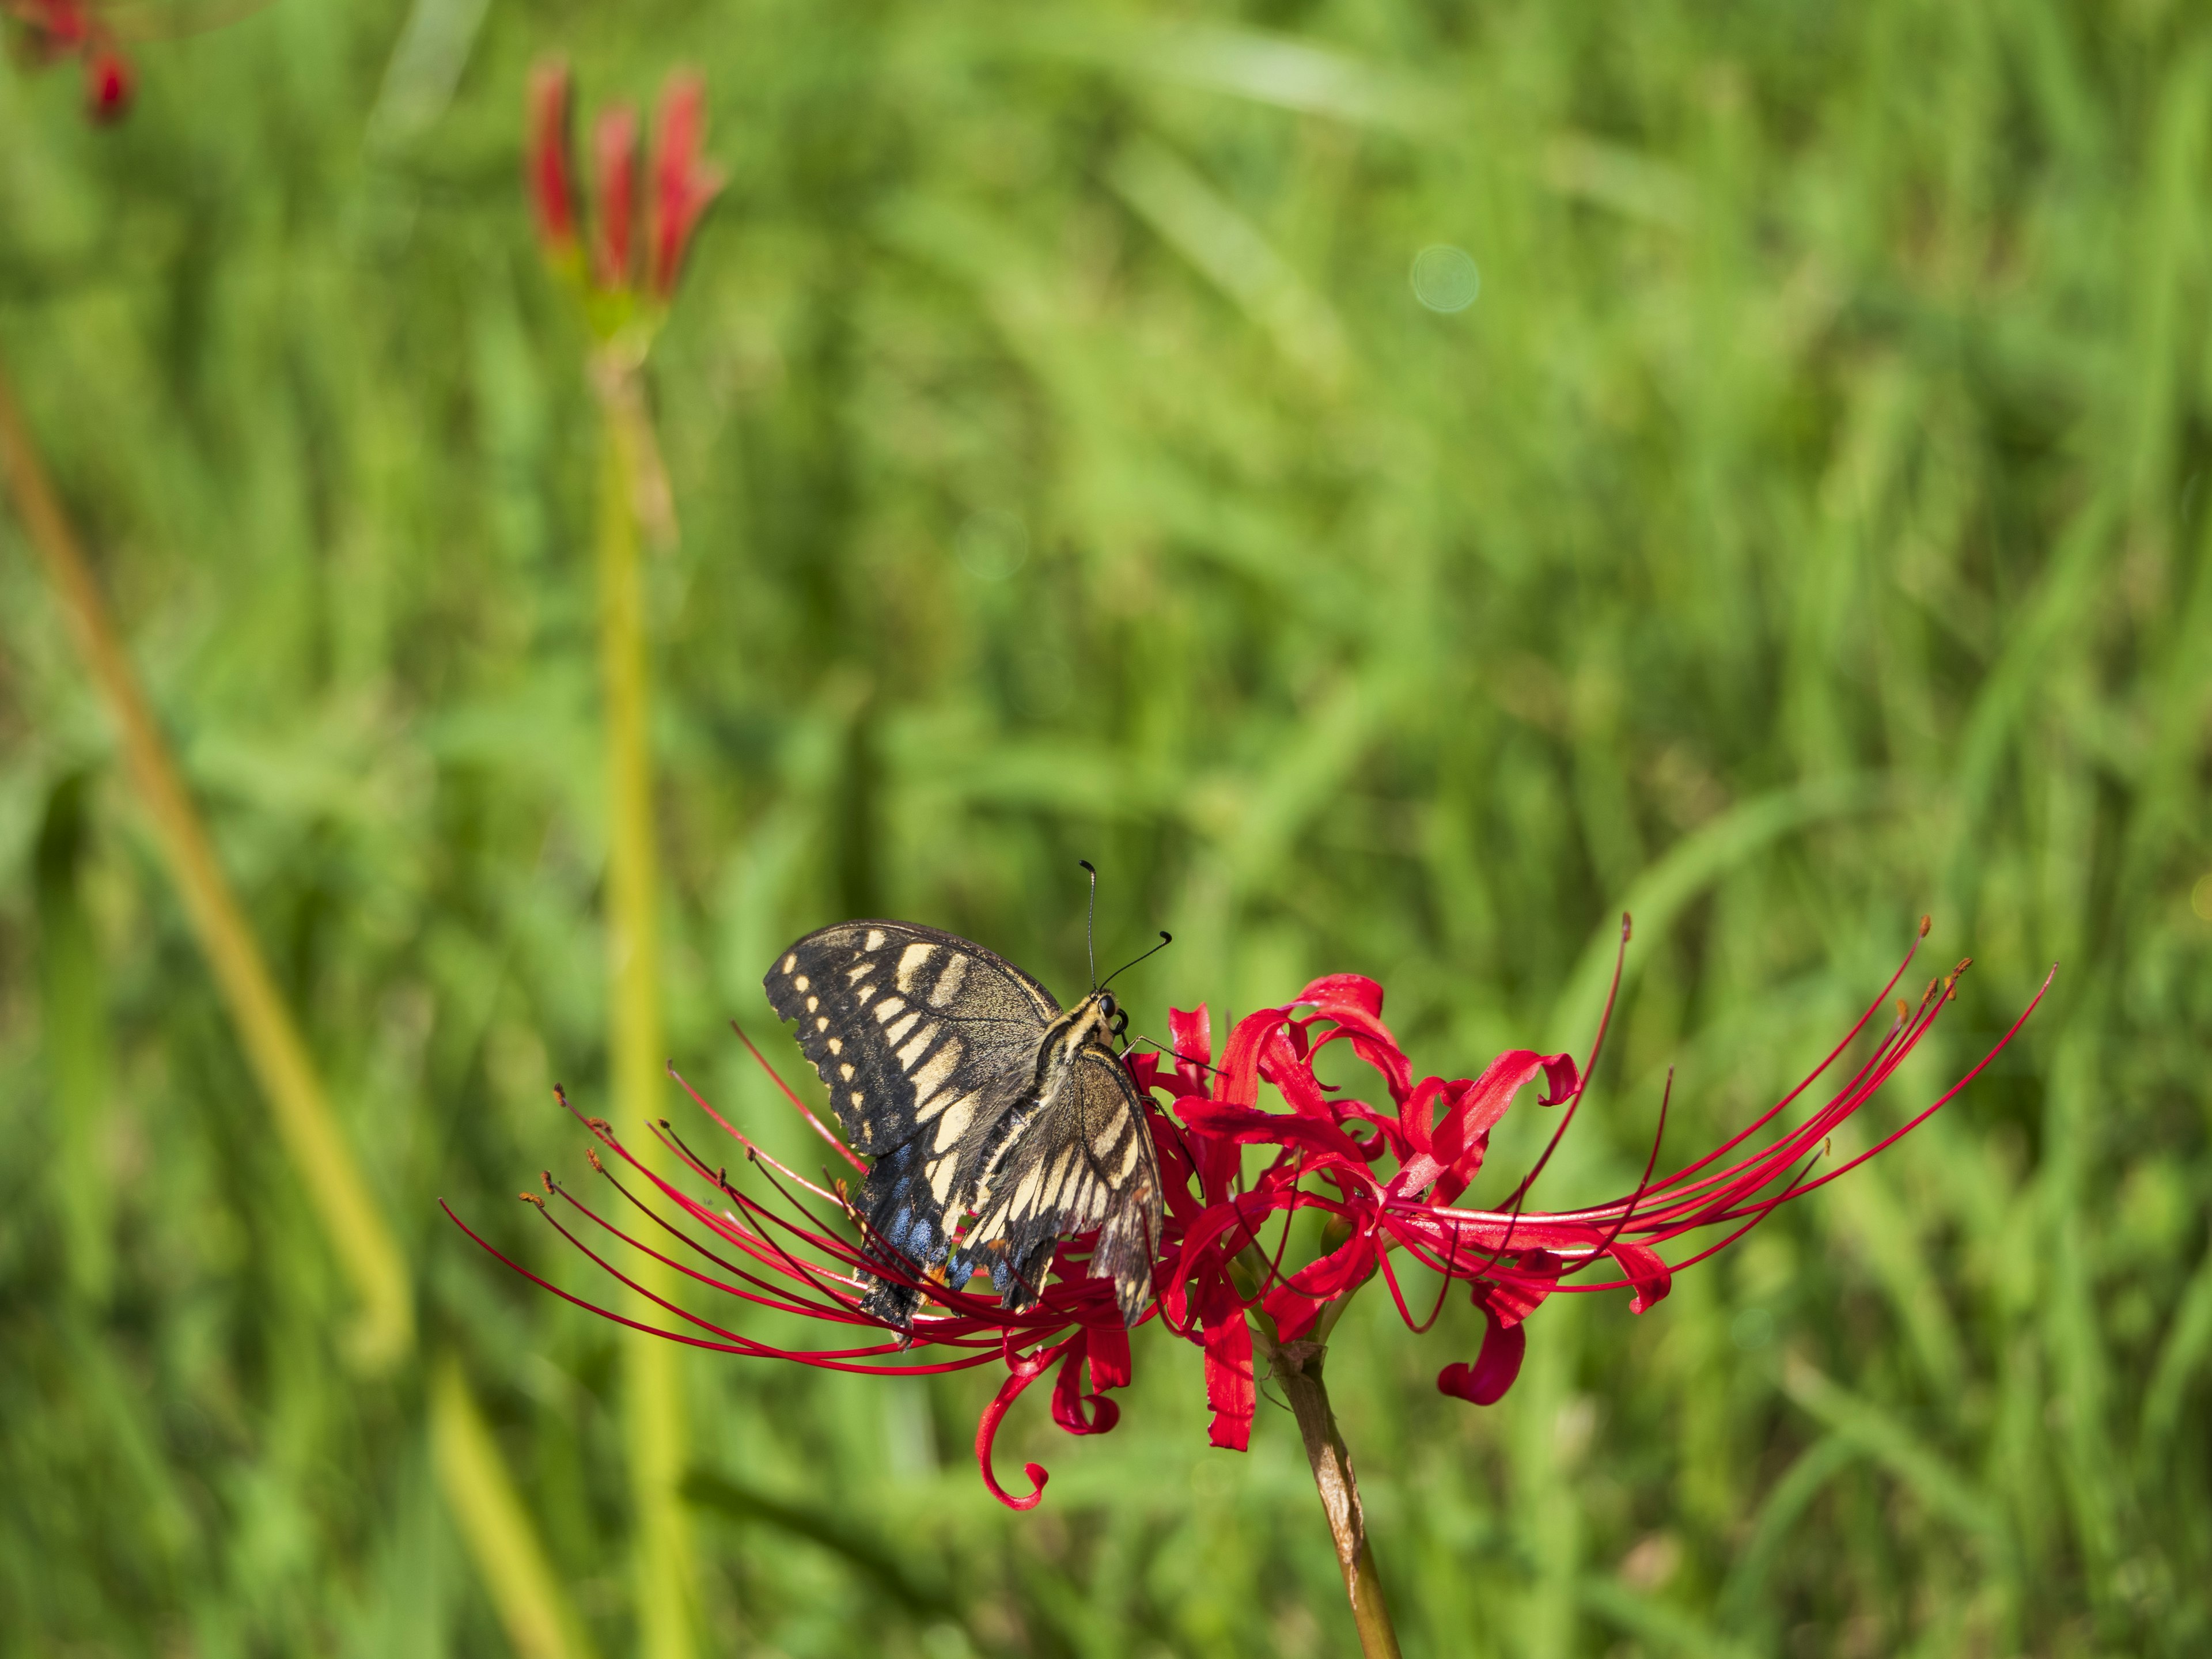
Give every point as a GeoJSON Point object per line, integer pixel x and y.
{"type": "Point", "coordinates": [968, 1089]}
{"type": "Point", "coordinates": [1085, 1159]}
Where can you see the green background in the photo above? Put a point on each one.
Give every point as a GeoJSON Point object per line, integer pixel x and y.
{"type": "Point", "coordinates": [1804, 530]}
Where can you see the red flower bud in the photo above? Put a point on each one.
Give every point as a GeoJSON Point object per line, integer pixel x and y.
{"type": "Point", "coordinates": [614, 158]}
{"type": "Point", "coordinates": [548, 162]}
{"type": "Point", "coordinates": [682, 186]}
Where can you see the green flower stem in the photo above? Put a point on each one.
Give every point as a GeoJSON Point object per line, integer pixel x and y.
{"type": "Point", "coordinates": [654, 1380]}
{"type": "Point", "coordinates": [1297, 1366]}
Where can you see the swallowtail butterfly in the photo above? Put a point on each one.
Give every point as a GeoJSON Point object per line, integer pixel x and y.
{"type": "Point", "coordinates": [976, 1099]}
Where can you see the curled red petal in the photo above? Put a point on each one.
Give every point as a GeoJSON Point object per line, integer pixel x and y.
{"type": "Point", "coordinates": [1069, 1397]}
{"type": "Point", "coordinates": [1239, 1082]}
{"type": "Point", "coordinates": [1485, 1383]}
{"type": "Point", "coordinates": [1460, 1137]}
{"type": "Point", "coordinates": [1417, 1117]}
{"type": "Point", "coordinates": [1357, 989]}
{"type": "Point", "coordinates": [1021, 1371]}
{"type": "Point", "coordinates": [1644, 1269]}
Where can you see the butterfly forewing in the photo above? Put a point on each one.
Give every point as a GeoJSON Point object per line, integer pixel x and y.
{"type": "Point", "coordinates": [924, 1043]}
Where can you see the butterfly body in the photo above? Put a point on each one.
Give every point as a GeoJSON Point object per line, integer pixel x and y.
{"type": "Point", "coordinates": [978, 1100]}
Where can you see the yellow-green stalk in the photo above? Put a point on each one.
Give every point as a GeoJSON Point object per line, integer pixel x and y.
{"type": "Point", "coordinates": [653, 1379]}
{"type": "Point", "coordinates": [305, 1126]}
{"type": "Point", "coordinates": [496, 1528]}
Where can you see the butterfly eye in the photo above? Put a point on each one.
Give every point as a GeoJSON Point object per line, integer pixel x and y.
{"type": "Point", "coordinates": [1107, 1005]}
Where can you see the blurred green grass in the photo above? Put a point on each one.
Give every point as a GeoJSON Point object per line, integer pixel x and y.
{"type": "Point", "coordinates": [1804, 529]}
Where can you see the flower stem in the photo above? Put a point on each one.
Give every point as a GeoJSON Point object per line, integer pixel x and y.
{"type": "Point", "coordinates": [1298, 1367]}
{"type": "Point", "coordinates": [654, 1408]}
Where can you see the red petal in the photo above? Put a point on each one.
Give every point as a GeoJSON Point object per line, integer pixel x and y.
{"type": "Point", "coordinates": [1021, 1371]}
{"type": "Point", "coordinates": [1069, 1398]}
{"type": "Point", "coordinates": [1486, 1381]}
{"type": "Point", "coordinates": [1191, 1034]}
{"type": "Point", "coordinates": [1239, 1082]}
{"type": "Point", "coordinates": [1651, 1276]}
{"type": "Point", "coordinates": [1462, 1136]}
{"type": "Point", "coordinates": [1110, 1366]}
{"type": "Point", "coordinates": [1296, 1304]}
{"type": "Point", "coordinates": [1359, 990]}
{"type": "Point", "coordinates": [1229, 1385]}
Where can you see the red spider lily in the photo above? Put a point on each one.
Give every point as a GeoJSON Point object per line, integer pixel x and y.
{"type": "Point", "coordinates": [1388, 1178]}
{"type": "Point", "coordinates": [682, 186]}
{"type": "Point", "coordinates": [64, 28]}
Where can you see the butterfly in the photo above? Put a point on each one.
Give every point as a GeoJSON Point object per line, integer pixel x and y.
{"type": "Point", "coordinates": [976, 1098]}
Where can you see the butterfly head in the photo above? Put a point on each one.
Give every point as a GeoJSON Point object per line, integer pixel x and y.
{"type": "Point", "coordinates": [1099, 1018]}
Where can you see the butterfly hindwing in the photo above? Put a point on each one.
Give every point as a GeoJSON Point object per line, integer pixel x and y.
{"type": "Point", "coordinates": [924, 1043]}
{"type": "Point", "coordinates": [1084, 1159]}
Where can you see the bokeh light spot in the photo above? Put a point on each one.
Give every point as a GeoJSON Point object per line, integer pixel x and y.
{"type": "Point", "coordinates": [1753, 1329]}
{"type": "Point", "coordinates": [992, 544]}
{"type": "Point", "coordinates": [1445, 277]}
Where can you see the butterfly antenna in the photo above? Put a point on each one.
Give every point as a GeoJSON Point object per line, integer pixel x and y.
{"type": "Point", "coordinates": [1091, 921]}
{"type": "Point", "coordinates": [1154, 1042]}
{"type": "Point", "coordinates": [1166, 939]}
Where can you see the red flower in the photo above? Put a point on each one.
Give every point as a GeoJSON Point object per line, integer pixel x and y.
{"type": "Point", "coordinates": [683, 185]}
{"type": "Point", "coordinates": [108, 84]}
{"type": "Point", "coordinates": [1389, 1178]}
{"type": "Point", "coordinates": [62, 28]}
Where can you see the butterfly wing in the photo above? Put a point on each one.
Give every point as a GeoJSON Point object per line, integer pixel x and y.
{"type": "Point", "coordinates": [925, 1042]}
{"type": "Point", "coordinates": [1086, 1160]}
